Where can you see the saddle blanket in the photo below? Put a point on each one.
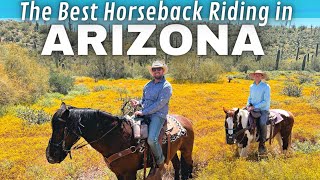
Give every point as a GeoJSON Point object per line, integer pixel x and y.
{"type": "Point", "coordinates": [175, 129]}
{"type": "Point", "coordinates": [275, 115]}
{"type": "Point", "coordinates": [172, 127]}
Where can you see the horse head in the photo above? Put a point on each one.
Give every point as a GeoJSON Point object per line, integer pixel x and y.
{"type": "Point", "coordinates": [63, 137]}
{"type": "Point", "coordinates": [235, 121]}
{"type": "Point", "coordinates": [230, 125]}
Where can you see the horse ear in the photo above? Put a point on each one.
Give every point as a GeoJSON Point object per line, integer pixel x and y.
{"type": "Point", "coordinates": [225, 110]}
{"type": "Point", "coordinates": [65, 114]}
{"type": "Point", "coordinates": [65, 110]}
{"type": "Point", "coordinates": [237, 111]}
{"type": "Point", "coordinates": [63, 106]}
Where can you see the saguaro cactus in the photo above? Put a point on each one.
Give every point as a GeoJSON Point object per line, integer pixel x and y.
{"type": "Point", "coordinates": [258, 58]}
{"type": "Point", "coordinates": [304, 62]}
{"type": "Point", "coordinates": [36, 28]}
{"type": "Point", "coordinates": [278, 59]}
{"type": "Point", "coordinates": [297, 56]}
{"type": "Point", "coordinates": [317, 49]}
{"type": "Point", "coordinates": [69, 24]}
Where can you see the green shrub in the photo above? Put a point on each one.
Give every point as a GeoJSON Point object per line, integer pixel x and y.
{"type": "Point", "coordinates": [208, 72]}
{"type": "Point", "coordinates": [27, 79]}
{"type": "Point", "coordinates": [80, 89]}
{"type": "Point", "coordinates": [137, 71]}
{"type": "Point", "coordinates": [191, 69]}
{"type": "Point", "coordinates": [315, 94]}
{"type": "Point", "coordinates": [3, 110]}
{"type": "Point", "coordinates": [3, 31]}
{"type": "Point", "coordinates": [305, 78]}
{"type": "Point", "coordinates": [48, 99]}
{"type": "Point", "coordinates": [315, 64]}
{"type": "Point", "coordinates": [60, 83]}
{"type": "Point", "coordinates": [100, 88]}
{"type": "Point", "coordinates": [245, 65]}
{"type": "Point", "coordinates": [7, 94]}
{"type": "Point", "coordinates": [182, 69]}
{"type": "Point", "coordinates": [107, 67]}
{"type": "Point", "coordinates": [306, 147]}
{"type": "Point", "coordinates": [292, 90]}
{"type": "Point", "coordinates": [123, 92]}
{"type": "Point", "coordinates": [43, 29]}
{"type": "Point", "coordinates": [32, 116]}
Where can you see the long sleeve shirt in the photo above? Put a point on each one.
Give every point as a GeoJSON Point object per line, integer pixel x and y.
{"type": "Point", "coordinates": [260, 96]}
{"type": "Point", "coordinates": [155, 99]}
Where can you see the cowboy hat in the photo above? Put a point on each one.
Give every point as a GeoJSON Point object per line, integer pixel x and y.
{"type": "Point", "coordinates": [157, 64]}
{"type": "Point", "coordinates": [264, 75]}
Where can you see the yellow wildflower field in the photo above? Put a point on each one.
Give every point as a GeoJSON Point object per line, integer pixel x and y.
{"type": "Point", "coordinates": [22, 150]}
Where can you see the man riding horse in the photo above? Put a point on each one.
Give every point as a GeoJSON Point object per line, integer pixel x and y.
{"type": "Point", "coordinates": [259, 102]}
{"type": "Point", "coordinates": [155, 100]}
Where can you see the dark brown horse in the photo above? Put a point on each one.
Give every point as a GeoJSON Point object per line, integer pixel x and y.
{"type": "Point", "coordinates": [239, 130]}
{"type": "Point", "coordinates": [110, 135]}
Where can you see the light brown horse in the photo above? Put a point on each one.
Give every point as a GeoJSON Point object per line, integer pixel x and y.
{"type": "Point", "coordinates": [109, 135]}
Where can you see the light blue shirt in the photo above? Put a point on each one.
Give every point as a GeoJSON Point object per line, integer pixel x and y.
{"type": "Point", "coordinates": [260, 96]}
{"type": "Point", "coordinates": [155, 99]}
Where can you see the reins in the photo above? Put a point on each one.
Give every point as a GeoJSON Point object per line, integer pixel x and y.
{"type": "Point", "coordinates": [240, 131]}
{"type": "Point", "coordinates": [82, 144]}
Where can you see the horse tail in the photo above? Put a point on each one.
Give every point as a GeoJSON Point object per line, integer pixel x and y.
{"type": "Point", "coordinates": [290, 141]}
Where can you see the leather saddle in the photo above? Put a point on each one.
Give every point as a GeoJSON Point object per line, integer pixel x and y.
{"type": "Point", "coordinates": [171, 130]}
{"type": "Point", "coordinates": [171, 127]}
{"type": "Point", "coordinates": [256, 115]}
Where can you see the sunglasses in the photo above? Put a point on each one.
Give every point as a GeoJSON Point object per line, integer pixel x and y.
{"type": "Point", "coordinates": [156, 69]}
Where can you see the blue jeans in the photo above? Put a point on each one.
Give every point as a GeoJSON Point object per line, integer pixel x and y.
{"type": "Point", "coordinates": [153, 135]}
{"type": "Point", "coordinates": [264, 117]}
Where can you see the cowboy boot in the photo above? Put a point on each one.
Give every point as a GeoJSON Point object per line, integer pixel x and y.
{"type": "Point", "coordinates": [161, 168]}
{"type": "Point", "coordinates": [263, 137]}
{"type": "Point", "coordinates": [156, 172]}
{"type": "Point", "coordinates": [152, 174]}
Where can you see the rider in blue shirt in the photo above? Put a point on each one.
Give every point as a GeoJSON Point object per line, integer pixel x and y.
{"type": "Point", "coordinates": [259, 101]}
{"type": "Point", "coordinates": [155, 101]}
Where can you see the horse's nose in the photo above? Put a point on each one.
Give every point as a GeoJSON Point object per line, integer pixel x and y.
{"type": "Point", "coordinates": [230, 139]}
{"type": "Point", "coordinates": [50, 160]}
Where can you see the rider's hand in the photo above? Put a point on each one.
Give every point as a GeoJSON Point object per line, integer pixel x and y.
{"type": "Point", "coordinates": [134, 102]}
{"type": "Point", "coordinates": [138, 113]}
{"type": "Point", "coordinates": [250, 108]}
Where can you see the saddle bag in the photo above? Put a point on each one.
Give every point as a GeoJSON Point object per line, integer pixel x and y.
{"type": "Point", "coordinates": [140, 129]}
{"type": "Point", "coordinates": [255, 114]}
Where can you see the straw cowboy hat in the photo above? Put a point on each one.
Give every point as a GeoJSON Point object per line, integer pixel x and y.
{"type": "Point", "coordinates": [157, 64]}
{"type": "Point", "coordinates": [264, 75]}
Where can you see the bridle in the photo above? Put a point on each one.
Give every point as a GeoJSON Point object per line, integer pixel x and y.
{"type": "Point", "coordinates": [67, 132]}
{"type": "Point", "coordinates": [236, 134]}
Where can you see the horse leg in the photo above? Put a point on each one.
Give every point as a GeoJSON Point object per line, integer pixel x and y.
{"type": "Point", "coordinates": [279, 139]}
{"type": "Point", "coordinates": [286, 138]}
{"type": "Point", "coordinates": [186, 149]}
{"type": "Point", "coordinates": [244, 152]}
{"type": "Point", "coordinates": [186, 160]}
{"type": "Point", "coordinates": [176, 165]}
{"type": "Point", "coordinates": [127, 176]}
{"type": "Point", "coordinates": [245, 144]}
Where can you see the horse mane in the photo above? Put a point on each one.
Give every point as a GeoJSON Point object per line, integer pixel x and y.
{"type": "Point", "coordinates": [244, 113]}
{"type": "Point", "coordinates": [92, 114]}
